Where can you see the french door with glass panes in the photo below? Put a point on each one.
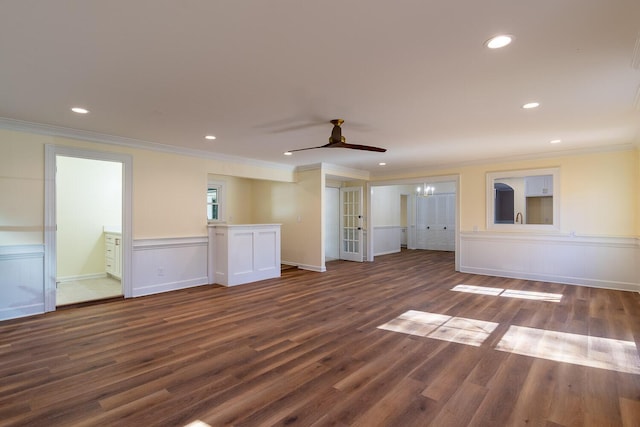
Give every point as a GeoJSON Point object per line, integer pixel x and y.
{"type": "Point", "coordinates": [351, 224]}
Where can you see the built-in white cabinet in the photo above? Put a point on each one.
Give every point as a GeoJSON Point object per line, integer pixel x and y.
{"type": "Point", "coordinates": [538, 186]}
{"type": "Point", "coordinates": [243, 253]}
{"type": "Point", "coordinates": [113, 254]}
{"type": "Point", "coordinates": [435, 222]}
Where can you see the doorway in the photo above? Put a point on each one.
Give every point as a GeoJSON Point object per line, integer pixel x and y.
{"type": "Point", "coordinates": [351, 248]}
{"type": "Point", "coordinates": [63, 258]}
{"type": "Point", "coordinates": [89, 229]}
{"type": "Point", "coordinates": [343, 224]}
{"type": "Point", "coordinates": [438, 195]}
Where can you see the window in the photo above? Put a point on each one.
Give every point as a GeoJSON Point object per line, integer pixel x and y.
{"type": "Point", "coordinates": [524, 200]}
{"type": "Point", "coordinates": [215, 201]}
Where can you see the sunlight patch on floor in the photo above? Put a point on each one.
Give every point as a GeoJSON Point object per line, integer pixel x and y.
{"type": "Point", "coordinates": [508, 293]}
{"type": "Point", "coordinates": [483, 290]}
{"type": "Point", "coordinates": [442, 327]}
{"type": "Point", "coordinates": [595, 352]}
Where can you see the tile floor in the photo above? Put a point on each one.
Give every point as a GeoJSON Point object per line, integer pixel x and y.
{"type": "Point", "coordinates": [76, 291]}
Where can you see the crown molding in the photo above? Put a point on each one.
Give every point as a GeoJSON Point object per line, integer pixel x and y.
{"type": "Point", "coordinates": [509, 159]}
{"type": "Point", "coordinates": [339, 172]}
{"type": "Point", "coordinates": [84, 135]}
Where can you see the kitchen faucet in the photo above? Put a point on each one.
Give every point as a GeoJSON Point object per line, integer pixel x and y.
{"type": "Point", "coordinates": [519, 215]}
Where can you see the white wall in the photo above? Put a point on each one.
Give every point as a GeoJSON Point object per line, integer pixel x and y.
{"type": "Point", "coordinates": [385, 206]}
{"type": "Point", "coordinates": [88, 197]}
{"type": "Point", "coordinates": [386, 219]}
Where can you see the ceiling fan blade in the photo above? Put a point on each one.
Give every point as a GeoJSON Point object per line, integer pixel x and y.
{"type": "Point", "coordinates": [309, 148]}
{"type": "Point", "coordinates": [362, 147]}
{"type": "Point", "coordinates": [336, 140]}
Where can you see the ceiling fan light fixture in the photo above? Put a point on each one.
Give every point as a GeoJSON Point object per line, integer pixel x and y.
{"type": "Point", "coordinates": [499, 41]}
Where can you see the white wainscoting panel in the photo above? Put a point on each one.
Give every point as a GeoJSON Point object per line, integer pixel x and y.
{"type": "Point", "coordinates": [386, 239]}
{"type": "Point", "coordinates": [243, 253]}
{"type": "Point", "coordinates": [167, 264]}
{"type": "Point", "coordinates": [605, 262]}
{"type": "Point", "coordinates": [21, 281]}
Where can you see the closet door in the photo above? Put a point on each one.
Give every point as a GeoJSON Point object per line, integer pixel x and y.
{"type": "Point", "coordinates": [435, 222]}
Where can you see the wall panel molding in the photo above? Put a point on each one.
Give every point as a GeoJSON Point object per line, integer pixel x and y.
{"type": "Point", "coordinates": [599, 261]}
{"type": "Point", "coordinates": [387, 239]}
{"type": "Point", "coordinates": [167, 264]}
{"type": "Point", "coordinates": [21, 281]}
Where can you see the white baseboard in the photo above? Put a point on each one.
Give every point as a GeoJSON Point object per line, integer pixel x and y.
{"type": "Point", "coordinates": [316, 268]}
{"type": "Point", "coordinates": [157, 288]}
{"type": "Point", "coordinates": [81, 277]}
{"type": "Point", "coordinates": [394, 251]}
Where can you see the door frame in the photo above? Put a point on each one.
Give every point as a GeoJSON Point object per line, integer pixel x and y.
{"type": "Point", "coordinates": [416, 181]}
{"type": "Point", "coordinates": [335, 220]}
{"type": "Point", "coordinates": [50, 220]}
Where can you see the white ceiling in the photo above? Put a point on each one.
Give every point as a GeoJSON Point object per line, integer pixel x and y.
{"type": "Point", "coordinates": [267, 76]}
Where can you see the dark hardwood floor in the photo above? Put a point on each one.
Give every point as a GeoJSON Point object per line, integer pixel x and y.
{"type": "Point", "coordinates": [306, 349]}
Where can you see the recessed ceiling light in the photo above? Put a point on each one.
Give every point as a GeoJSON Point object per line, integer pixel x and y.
{"type": "Point", "coordinates": [80, 110]}
{"type": "Point", "coordinates": [210, 137]}
{"type": "Point", "coordinates": [555, 141]}
{"type": "Point", "coordinates": [288, 153]}
{"type": "Point", "coordinates": [530, 105]}
{"type": "Point", "coordinates": [498, 41]}
{"type": "Point", "coordinates": [382, 164]}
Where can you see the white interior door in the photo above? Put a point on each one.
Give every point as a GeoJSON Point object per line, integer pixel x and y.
{"type": "Point", "coordinates": [424, 208]}
{"type": "Point", "coordinates": [351, 224]}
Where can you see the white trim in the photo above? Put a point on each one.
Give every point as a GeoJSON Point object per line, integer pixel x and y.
{"type": "Point", "coordinates": [612, 241]}
{"type": "Point", "coordinates": [82, 277]}
{"type": "Point", "coordinates": [21, 251]}
{"type": "Point", "coordinates": [158, 288]}
{"type": "Point", "coordinates": [522, 173]}
{"type": "Point", "coordinates": [169, 242]}
{"type": "Point", "coordinates": [50, 130]}
{"type": "Point", "coordinates": [316, 268]}
{"type": "Point", "coordinates": [221, 186]}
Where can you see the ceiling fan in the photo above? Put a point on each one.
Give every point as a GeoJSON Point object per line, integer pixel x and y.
{"type": "Point", "coordinates": [336, 140]}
